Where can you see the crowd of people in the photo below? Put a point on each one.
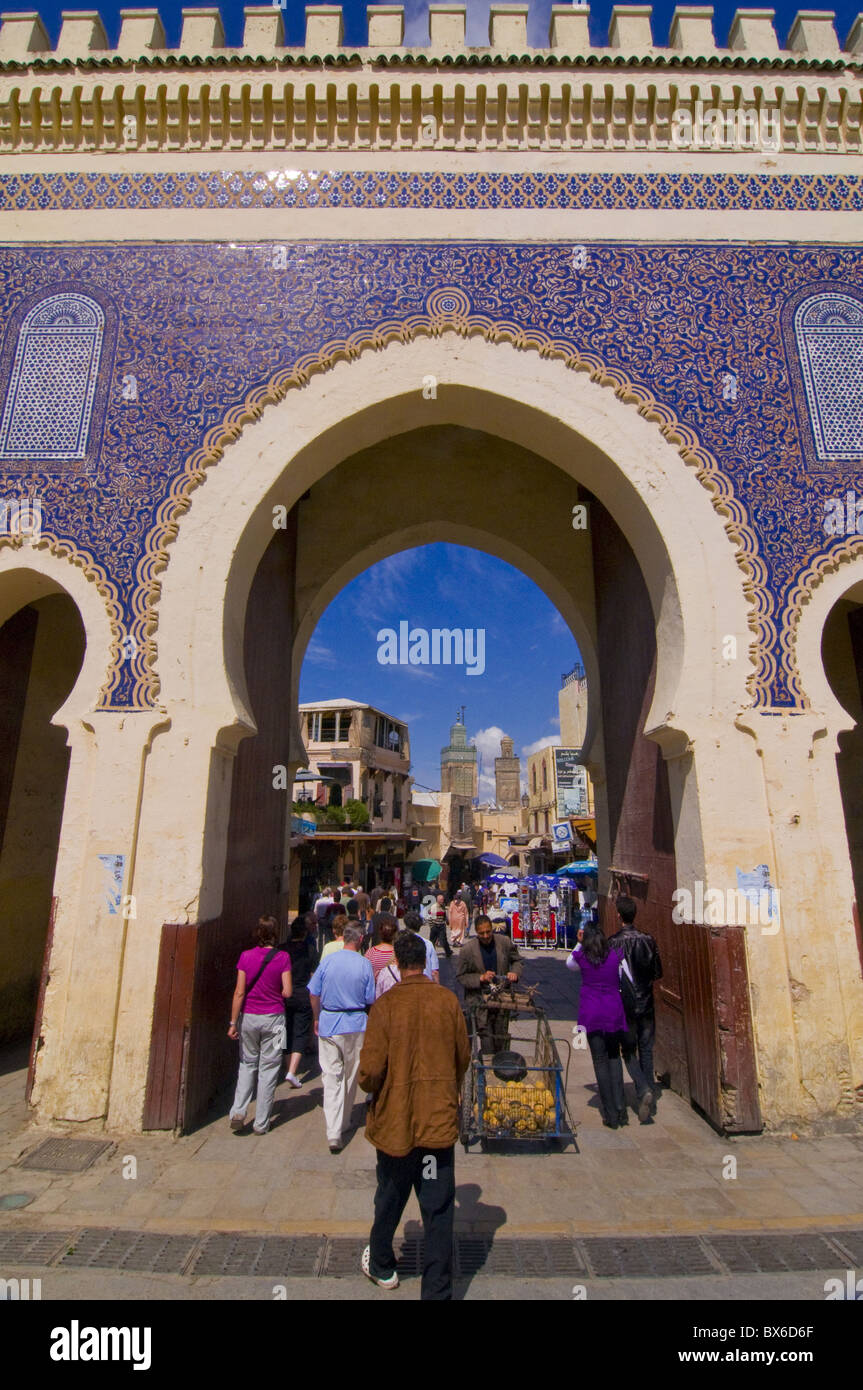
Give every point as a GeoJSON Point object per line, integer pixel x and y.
{"type": "Point", "coordinates": [330, 987]}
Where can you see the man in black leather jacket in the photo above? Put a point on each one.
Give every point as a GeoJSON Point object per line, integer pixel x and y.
{"type": "Point", "coordinates": [645, 966]}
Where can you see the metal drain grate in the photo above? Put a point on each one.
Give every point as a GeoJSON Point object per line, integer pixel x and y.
{"type": "Point", "coordinates": [525, 1258]}
{"type": "Point", "coordinates": [646, 1256]}
{"type": "Point", "coordinates": [144, 1251]}
{"type": "Point", "coordinates": [529, 1259]}
{"type": "Point", "coordinates": [342, 1256]}
{"type": "Point", "coordinates": [65, 1155]}
{"type": "Point", "coordinates": [32, 1247]}
{"type": "Point", "coordinates": [409, 1259]}
{"type": "Point", "coordinates": [774, 1254]}
{"type": "Point", "coordinates": [264, 1255]}
{"type": "Point", "coordinates": [851, 1245]}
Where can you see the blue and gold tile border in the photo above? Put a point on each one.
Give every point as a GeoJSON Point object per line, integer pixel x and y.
{"type": "Point", "coordinates": [215, 332]}
{"type": "Point", "coordinates": [424, 191]}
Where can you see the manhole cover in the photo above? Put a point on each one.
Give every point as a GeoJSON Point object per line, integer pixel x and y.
{"type": "Point", "coordinates": [65, 1155]}
{"type": "Point", "coordinates": [11, 1201]}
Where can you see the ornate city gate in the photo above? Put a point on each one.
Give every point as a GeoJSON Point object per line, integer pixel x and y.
{"type": "Point", "coordinates": [528, 230]}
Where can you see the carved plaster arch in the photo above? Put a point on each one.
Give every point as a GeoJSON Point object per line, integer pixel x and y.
{"type": "Point", "coordinates": [31, 571]}
{"type": "Point", "coordinates": [832, 579]}
{"type": "Point", "coordinates": [678, 520]}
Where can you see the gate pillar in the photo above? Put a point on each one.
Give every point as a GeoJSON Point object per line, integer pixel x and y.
{"type": "Point", "coordinates": [813, 1050]}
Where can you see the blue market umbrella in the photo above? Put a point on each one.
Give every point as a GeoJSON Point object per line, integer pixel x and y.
{"type": "Point", "coordinates": [587, 866]}
{"type": "Point", "coordinates": [493, 861]}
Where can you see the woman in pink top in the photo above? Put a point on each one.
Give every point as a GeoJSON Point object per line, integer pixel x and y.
{"type": "Point", "coordinates": [258, 1020]}
{"type": "Point", "coordinates": [380, 955]}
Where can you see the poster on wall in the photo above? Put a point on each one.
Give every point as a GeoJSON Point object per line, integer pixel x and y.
{"type": "Point", "coordinates": [571, 780]}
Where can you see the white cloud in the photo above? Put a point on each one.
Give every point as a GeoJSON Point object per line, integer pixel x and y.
{"type": "Point", "coordinates": [319, 655]}
{"type": "Point", "coordinates": [385, 586]}
{"type": "Point", "coordinates": [550, 741]}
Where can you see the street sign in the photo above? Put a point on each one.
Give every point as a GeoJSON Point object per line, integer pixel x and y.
{"type": "Point", "coordinates": [561, 835]}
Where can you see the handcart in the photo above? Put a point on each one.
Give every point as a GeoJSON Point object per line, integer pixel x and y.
{"type": "Point", "coordinates": [507, 1096]}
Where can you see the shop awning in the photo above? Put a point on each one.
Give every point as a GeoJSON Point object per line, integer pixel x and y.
{"type": "Point", "coordinates": [424, 870]}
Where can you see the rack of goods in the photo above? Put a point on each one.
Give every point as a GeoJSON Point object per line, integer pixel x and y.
{"type": "Point", "coordinates": [508, 1097]}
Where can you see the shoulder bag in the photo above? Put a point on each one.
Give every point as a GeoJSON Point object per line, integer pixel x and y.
{"type": "Point", "coordinates": [271, 955]}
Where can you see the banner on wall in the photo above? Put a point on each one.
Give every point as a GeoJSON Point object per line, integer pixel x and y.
{"type": "Point", "coordinates": [571, 780]}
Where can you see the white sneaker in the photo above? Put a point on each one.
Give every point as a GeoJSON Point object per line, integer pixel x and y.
{"type": "Point", "coordinates": [293, 1080]}
{"type": "Point", "coordinates": [365, 1264]}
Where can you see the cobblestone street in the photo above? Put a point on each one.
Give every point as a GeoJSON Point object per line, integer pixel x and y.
{"type": "Point", "coordinates": [646, 1207]}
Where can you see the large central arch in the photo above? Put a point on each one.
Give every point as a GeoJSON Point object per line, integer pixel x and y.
{"type": "Point", "coordinates": [697, 588]}
{"type": "Point", "coordinates": [547, 437]}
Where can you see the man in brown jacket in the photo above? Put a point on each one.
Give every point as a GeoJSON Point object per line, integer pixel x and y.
{"type": "Point", "coordinates": [414, 1056]}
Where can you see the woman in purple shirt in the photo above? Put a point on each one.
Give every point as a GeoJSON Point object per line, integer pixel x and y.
{"type": "Point", "coordinates": [601, 1015]}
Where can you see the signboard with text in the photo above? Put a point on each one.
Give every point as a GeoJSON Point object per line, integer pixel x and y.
{"type": "Point", "coordinates": [571, 780]}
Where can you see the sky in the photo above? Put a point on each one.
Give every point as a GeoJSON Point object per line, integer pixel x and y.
{"type": "Point", "coordinates": [416, 19]}
{"type": "Point", "coordinates": [528, 647]}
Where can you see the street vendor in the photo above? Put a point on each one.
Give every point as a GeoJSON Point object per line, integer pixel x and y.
{"type": "Point", "coordinates": [484, 957]}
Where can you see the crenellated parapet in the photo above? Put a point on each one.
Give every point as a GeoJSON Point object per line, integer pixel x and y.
{"type": "Point", "coordinates": [142, 95]}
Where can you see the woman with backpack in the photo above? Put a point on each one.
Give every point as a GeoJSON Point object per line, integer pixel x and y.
{"type": "Point", "coordinates": [258, 1021]}
{"type": "Point", "coordinates": [602, 1016]}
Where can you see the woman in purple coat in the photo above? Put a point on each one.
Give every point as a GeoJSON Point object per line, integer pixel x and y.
{"type": "Point", "coordinates": [601, 1015]}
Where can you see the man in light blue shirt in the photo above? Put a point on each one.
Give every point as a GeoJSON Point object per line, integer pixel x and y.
{"type": "Point", "coordinates": [340, 991]}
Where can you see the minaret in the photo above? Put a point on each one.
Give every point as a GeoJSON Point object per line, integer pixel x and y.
{"type": "Point", "coordinates": [458, 769]}
{"type": "Point", "coordinates": [507, 777]}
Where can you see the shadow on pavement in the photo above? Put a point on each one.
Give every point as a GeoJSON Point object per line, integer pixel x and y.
{"type": "Point", "coordinates": [476, 1224]}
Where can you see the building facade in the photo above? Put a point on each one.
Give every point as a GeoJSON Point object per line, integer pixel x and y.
{"type": "Point", "coordinates": [362, 755]}
{"type": "Point", "coordinates": [442, 828]}
{"type": "Point", "coordinates": [572, 708]}
{"type": "Point", "coordinates": [507, 298]}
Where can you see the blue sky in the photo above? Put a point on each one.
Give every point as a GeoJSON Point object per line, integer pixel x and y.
{"type": "Point", "coordinates": [527, 648]}
{"type": "Point", "coordinates": [417, 23]}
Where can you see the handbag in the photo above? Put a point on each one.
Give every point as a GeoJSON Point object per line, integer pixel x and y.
{"type": "Point", "coordinates": [627, 992]}
{"type": "Point", "coordinates": [271, 955]}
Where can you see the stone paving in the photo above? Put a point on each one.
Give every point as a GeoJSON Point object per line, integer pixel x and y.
{"type": "Point", "coordinates": [663, 1178]}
